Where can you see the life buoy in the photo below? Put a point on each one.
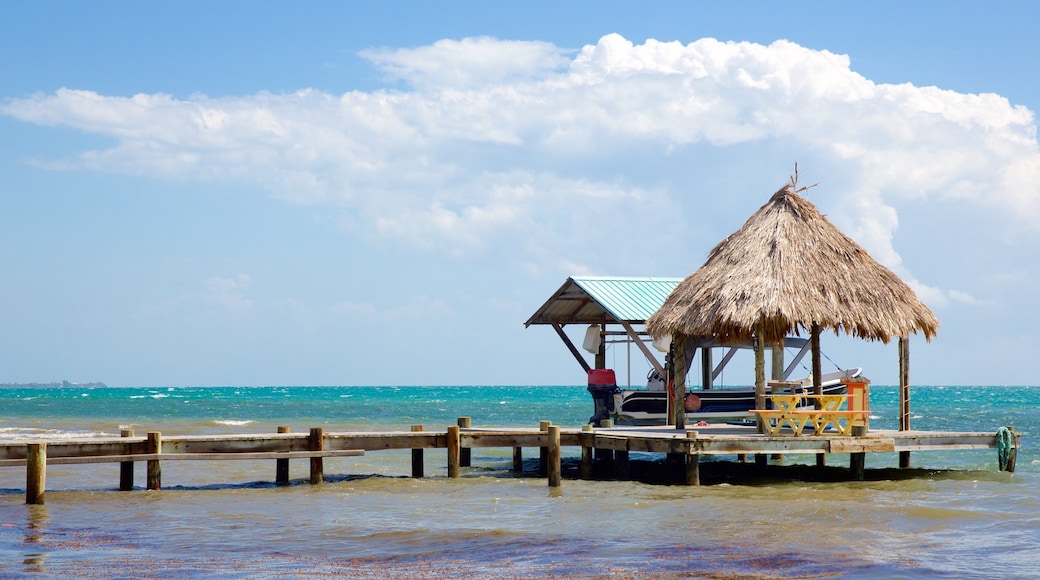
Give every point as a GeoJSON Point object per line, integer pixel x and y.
{"type": "Point", "coordinates": [692, 403]}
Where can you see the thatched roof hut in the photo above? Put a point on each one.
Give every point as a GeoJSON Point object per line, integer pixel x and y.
{"type": "Point", "coordinates": [785, 271]}
{"type": "Point", "coordinates": [790, 265]}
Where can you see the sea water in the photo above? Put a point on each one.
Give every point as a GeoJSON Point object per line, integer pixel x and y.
{"type": "Point", "coordinates": [953, 515]}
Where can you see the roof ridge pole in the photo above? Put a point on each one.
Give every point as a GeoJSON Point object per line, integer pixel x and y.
{"type": "Point", "coordinates": [760, 369]}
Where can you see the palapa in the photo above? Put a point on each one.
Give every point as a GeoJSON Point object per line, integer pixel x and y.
{"type": "Point", "coordinates": [789, 268]}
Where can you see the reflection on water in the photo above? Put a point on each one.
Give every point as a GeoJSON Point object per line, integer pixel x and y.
{"type": "Point", "coordinates": [35, 530]}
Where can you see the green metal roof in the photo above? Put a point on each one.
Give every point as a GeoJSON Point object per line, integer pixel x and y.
{"type": "Point", "coordinates": [604, 299]}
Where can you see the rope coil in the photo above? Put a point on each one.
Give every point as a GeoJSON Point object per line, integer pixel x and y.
{"type": "Point", "coordinates": [1007, 450]}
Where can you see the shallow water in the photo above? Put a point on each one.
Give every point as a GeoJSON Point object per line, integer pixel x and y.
{"type": "Point", "coordinates": [954, 515]}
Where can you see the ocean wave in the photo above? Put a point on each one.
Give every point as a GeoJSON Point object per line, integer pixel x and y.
{"type": "Point", "coordinates": [233, 422]}
{"type": "Point", "coordinates": [18, 434]}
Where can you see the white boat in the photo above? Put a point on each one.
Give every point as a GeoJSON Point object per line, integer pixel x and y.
{"type": "Point", "coordinates": [649, 406]}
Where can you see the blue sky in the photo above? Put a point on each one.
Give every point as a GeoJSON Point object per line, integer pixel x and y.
{"type": "Point", "coordinates": [336, 193]}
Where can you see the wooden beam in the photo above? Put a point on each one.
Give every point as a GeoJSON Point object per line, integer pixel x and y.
{"type": "Point", "coordinates": [632, 334]}
{"type": "Point", "coordinates": [570, 346]}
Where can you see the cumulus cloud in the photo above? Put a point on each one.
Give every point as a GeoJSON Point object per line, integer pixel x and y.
{"type": "Point", "coordinates": [494, 139]}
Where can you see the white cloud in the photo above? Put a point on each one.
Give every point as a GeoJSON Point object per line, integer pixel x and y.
{"type": "Point", "coordinates": [470, 62]}
{"type": "Point", "coordinates": [228, 292]}
{"type": "Point", "coordinates": [499, 141]}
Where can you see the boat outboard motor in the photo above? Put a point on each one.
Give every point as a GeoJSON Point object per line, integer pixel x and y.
{"type": "Point", "coordinates": [602, 387]}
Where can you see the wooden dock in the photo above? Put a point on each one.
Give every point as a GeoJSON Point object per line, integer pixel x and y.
{"type": "Point", "coordinates": [458, 440]}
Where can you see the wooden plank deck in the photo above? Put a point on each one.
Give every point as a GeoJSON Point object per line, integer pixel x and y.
{"type": "Point", "coordinates": [317, 444]}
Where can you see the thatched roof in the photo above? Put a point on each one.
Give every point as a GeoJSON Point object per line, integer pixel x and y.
{"type": "Point", "coordinates": [790, 264]}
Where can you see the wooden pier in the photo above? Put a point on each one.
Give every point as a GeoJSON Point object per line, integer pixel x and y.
{"type": "Point", "coordinates": [457, 440]}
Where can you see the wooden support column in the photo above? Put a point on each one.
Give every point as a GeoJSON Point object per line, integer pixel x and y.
{"type": "Point", "coordinates": [679, 369]}
{"type": "Point", "coordinates": [621, 464]}
{"type": "Point", "coordinates": [518, 459]}
{"type": "Point", "coordinates": [693, 461]}
{"type": "Point", "coordinates": [706, 367]}
{"type": "Point", "coordinates": [126, 468]}
{"type": "Point", "coordinates": [35, 473]}
{"type": "Point", "coordinates": [760, 370]}
{"type": "Point", "coordinates": [586, 453]}
{"type": "Point", "coordinates": [601, 354]}
{"type": "Point", "coordinates": [776, 360]}
{"type": "Point", "coordinates": [154, 445]}
{"type": "Point", "coordinates": [453, 450]}
{"type": "Point", "coordinates": [417, 455]}
{"type": "Point", "coordinates": [543, 452]}
{"type": "Point", "coordinates": [465, 455]}
{"type": "Point", "coordinates": [858, 461]}
{"type": "Point", "coordinates": [817, 379]}
{"type": "Point", "coordinates": [554, 456]}
{"type": "Point", "coordinates": [317, 443]}
{"type": "Point", "coordinates": [904, 395]}
{"type": "Point", "coordinates": [281, 466]}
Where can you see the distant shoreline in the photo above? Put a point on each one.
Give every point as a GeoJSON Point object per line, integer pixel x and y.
{"type": "Point", "coordinates": [62, 384]}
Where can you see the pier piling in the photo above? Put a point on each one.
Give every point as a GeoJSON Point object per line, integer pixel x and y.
{"type": "Point", "coordinates": [553, 436]}
{"type": "Point", "coordinates": [317, 463]}
{"type": "Point", "coordinates": [154, 467]}
{"type": "Point", "coordinates": [453, 446]}
{"type": "Point", "coordinates": [36, 473]}
{"type": "Point", "coordinates": [417, 456]}
{"type": "Point", "coordinates": [465, 455]}
{"type": "Point", "coordinates": [281, 466]}
{"type": "Point", "coordinates": [543, 452]}
{"type": "Point", "coordinates": [126, 468]}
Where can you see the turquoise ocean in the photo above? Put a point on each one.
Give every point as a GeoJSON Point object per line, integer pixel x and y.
{"type": "Point", "coordinates": [952, 515]}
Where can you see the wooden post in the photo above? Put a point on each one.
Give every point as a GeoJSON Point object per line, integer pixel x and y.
{"type": "Point", "coordinates": [518, 459]}
{"type": "Point", "coordinates": [776, 359]}
{"type": "Point", "coordinates": [453, 451]}
{"type": "Point", "coordinates": [281, 466]}
{"type": "Point", "coordinates": [586, 453]}
{"type": "Point", "coordinates": [679, 369]}
{"type": "Point", "coordinates": [817, 379]}
{"type": "Point", "coordinates": [760, 371]}
{"type": "Point", "coordinates": [904, 395]}
{"type": "Point", "coordinates": [317, 443]}
{"type": "Point", "coordinates": [621, 464]}
{"type": "Point", "coordinates": [35, 473]}
{"type": "Point", "coordinates": [154, 446]}
{"type": "Point", "coordinates": [601, 353]}
{"type": "Point", "coordinates": [465, 456]}
{"type": "Point", "coordinates": [693, 461]}
{"type": "Point", "coordinates": [543, 452]}
{"type": "Point", "coordinates": [554, 456]}
{"type": "Point", "coordinates": [417, 455]}
{"type": "Point", "coordinates": [604, 454]}
{"type": "Point", "coordinates": [706, 368]}
{"type": "Point", "coordinates": [126, 468]}
{"type": "Point", "coordinates": [858, 461]}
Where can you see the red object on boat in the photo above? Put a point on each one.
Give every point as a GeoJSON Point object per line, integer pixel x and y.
{"type": "Point", "coordinates": [602, 377]}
